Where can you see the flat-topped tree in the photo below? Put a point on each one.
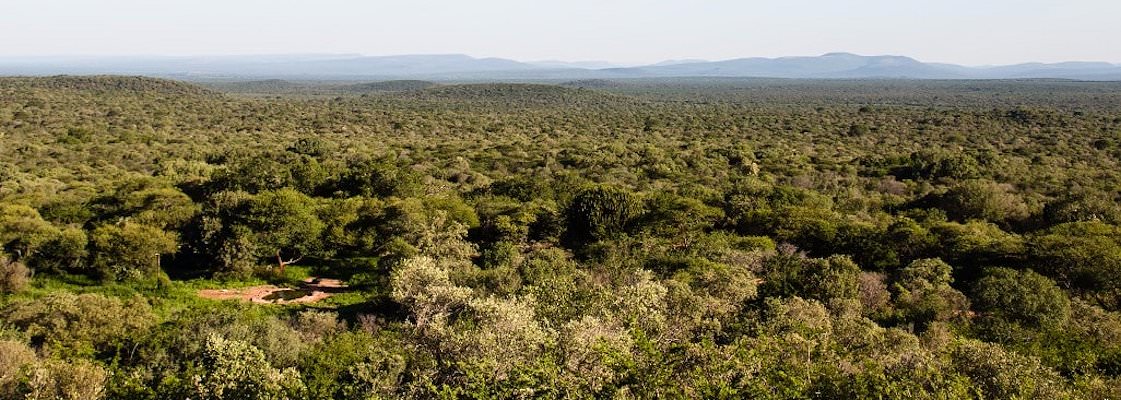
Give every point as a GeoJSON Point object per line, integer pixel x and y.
{"type": "Point", "coordinates": [285, 226]}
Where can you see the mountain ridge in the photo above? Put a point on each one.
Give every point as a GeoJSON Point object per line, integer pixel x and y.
{"type": "Point", "coordinates": [835, 65]}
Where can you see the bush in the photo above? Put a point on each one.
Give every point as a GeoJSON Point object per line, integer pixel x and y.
{"type": "Point", "coordinates": [506, 337]}
{"type": "Point", "coordinates": [15, 358]}
{"type": "Point", "coordinates": [380, 179]}
{"type": "Point", "coordinates": [65, 379]}
{"type": "Point", "coordinates": [355, 365]}
{"type": "Point", "coordinates": [234, 369]}
{"type": "Point", "coordinates": [984, 200]}
{"type": "Point", "coordinates": [923, 294]}
{"type": "Point", "coordinates": [823, 279]}
{"type": "Point", "coordinates": [80, 324]}
{"type": "Point", "coordinates": [130, 250]}
{"type": "Point", "coordinates": [66, 252]}
{"type": "Point", "coordinates": [1084, 256]}
{"type": "Point", "coordinates": [932, 164]}
{"type": "Point", "coordinates": [975, 244]}
{"type": "Point", "coordinates": [23, 230]}
{"type": "Point", "coordinates": [707, 294]}
{"type": "Point", "coordinates": [1000, 374]}
{"type": "Point", "coordinates": [315, 326]}
{"type": "Point", "coordinates": [1023, 298]}
{"type": "Point", "coordinates": [425, 288]}
{"type": "Point", "coordinates": [1082, 208]}
{"type": "Point", "coordinates": [14, 276]}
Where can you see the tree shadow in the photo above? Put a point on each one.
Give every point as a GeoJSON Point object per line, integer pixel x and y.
{"type": "Point", "coordinates": [343, 268]}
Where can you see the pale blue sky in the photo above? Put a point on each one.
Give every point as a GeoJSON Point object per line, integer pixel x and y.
{"type": "Point", "coordinates": [972, 32]}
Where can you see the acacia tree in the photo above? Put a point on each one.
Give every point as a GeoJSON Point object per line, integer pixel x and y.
{"type": "Point", "coordinates": [149, 201]}
{"type": "Point", "coordinates": [1084, 257]}
{"type": "Point", "coordinates": [923, 294]}
{"type": "Point", "coordinates": [985, 200]}
{"type": "Point", "coordinates": [284, 225]}
{"type": "Point", "coordinates": [670, 215]}
{"type": "Point", "coordinates": [130, 249]}
{"type": "Point", "coordinates": [23, 230]}
{"type": "Point", "coordinates": [790, 273]}
{"type": "Point", "coordinates": [1011, 302]}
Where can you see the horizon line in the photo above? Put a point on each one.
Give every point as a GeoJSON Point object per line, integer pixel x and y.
{"type": "Point", "coordinates": [689, 60]}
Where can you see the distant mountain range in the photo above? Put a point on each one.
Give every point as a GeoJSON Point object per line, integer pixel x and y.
{"type": "Point", "coordinates": [460, 67]}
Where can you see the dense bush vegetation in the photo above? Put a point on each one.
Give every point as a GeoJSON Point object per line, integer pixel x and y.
{"type": "Point", "coordinates": [696, 238]}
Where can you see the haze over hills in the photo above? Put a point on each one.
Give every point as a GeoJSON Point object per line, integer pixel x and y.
{"type": "Point", "coordinates": [595, 64]}
{"type": "Point", "coordinates": [458, 66]}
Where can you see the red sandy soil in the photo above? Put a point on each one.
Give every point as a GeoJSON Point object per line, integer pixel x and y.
{"type": "Point", "coordinates": [320, 288]}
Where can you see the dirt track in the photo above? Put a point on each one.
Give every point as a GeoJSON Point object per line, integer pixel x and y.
{"type": "Point", "coordinates": [317, 289]}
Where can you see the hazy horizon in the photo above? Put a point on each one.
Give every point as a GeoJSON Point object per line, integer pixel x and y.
{"type": "Point", "coordinates": [625, 32]}
{"type": "Point", "coordinates": [572, 62]}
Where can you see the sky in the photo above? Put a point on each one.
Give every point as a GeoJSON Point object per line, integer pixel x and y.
{"type": "Point", "coordinates": [968, 32]}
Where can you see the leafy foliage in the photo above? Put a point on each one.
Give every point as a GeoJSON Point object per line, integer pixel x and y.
{"type": "Point", "coordinates": [687, 238]}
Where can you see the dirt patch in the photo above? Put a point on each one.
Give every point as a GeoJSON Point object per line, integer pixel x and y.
{"type": "Point", "coordinates": [310, 291]}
